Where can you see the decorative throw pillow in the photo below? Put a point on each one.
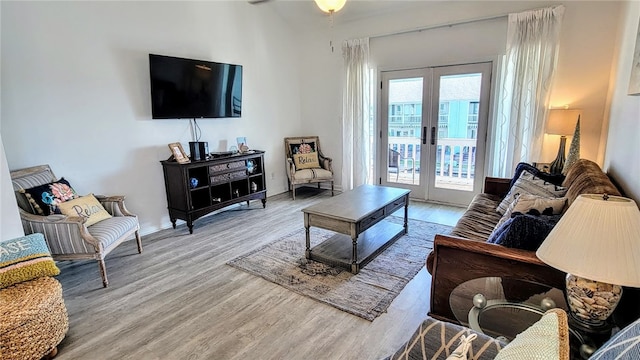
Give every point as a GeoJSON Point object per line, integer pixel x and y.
{"type": "Point", "coordinates": [531, 205]}
{"type": "Point", "coordinates": [87, 207]}
{"type": "Point", "coordinates": [305, 155]}
{"type": "Point", "coordinates": [44, 199]}
{"type": "Point", "coordinates": [524, 231]}
{"type": "Point", "coordinates": [555, 179]}
{"type": "Point", "coordinates": [436, 339]}
{"type": "Point", "coordinates": [624, 345]}
{"type": "Point", "coordinates": [548, 338]}
{"type": "Point", "coordinates": [25, 258]}
{"type": "Point", "coordinates": [528, 183]}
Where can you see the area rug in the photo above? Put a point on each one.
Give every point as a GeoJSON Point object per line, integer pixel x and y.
{"type": "Point", "coordinates": [367, 294]}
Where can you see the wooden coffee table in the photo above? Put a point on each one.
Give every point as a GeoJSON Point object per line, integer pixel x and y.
{"type": "Point", "coordinates": [358, 218]}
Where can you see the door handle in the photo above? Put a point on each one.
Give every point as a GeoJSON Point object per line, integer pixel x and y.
{"type": "Point", "coordinates": [433, 135]}
{"type": "Point", "coordinates": [424, 135]}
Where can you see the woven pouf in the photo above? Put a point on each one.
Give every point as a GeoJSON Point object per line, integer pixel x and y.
{"type": "Point", "coordinates": [33, 319]}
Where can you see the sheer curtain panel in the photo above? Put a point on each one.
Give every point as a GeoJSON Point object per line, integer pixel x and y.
{"type": "Point", "coordinates": [355, 114]}
{"type": "Point", "coordinates": [525, 86]}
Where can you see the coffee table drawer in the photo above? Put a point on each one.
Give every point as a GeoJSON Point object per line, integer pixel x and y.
{"type": "Point", "coordinates": [371, 220]}
{"type": "Point", "coordinates": [397, 204]}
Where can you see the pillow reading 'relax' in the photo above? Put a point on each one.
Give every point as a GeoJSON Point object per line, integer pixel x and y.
{"type": "Point", "coordinates": [305, 155]}
{"type": "Point", "coordinates": [87, 207]}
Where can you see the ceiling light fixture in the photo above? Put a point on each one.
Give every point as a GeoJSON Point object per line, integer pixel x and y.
{"type": "Point", "coordinates": [330, 6]}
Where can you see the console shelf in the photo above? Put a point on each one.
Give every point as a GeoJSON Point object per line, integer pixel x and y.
{"type": "Point", "coordinates": [198, 188]}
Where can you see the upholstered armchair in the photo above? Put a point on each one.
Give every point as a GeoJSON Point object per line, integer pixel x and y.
{"type": "Point", "coordinates": [305, 162]}
{"type": "Point", "coordinates": [74, 237]}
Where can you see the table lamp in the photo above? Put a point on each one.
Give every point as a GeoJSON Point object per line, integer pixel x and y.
{"type": "Point", "coordinates": [597, 243]}
{"type": "Point", "coordinates": [561, 122]}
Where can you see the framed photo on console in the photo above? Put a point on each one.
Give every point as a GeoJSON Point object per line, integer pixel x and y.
{"type": "Point", "coordinates": [178, 153]}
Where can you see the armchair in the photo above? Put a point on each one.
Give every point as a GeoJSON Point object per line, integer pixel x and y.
{"type": "Point", "coordinates": [69, 237]}
{"type": "Point", "coordinates": [302, 165]}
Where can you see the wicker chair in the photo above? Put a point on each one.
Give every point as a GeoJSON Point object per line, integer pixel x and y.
{"type": "Point", "coordinates": [68, 237]}
{"type": "Point", "coordinates": [307, 176]}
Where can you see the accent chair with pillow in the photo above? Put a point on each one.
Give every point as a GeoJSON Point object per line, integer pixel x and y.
{"type": "Point", "coordinates": [305, 162]}
{"type": "Point", "coordinates": [75, 227]}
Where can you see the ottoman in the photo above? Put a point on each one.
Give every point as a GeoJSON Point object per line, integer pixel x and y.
{"type": "Point", "coordinates": [33, 319]}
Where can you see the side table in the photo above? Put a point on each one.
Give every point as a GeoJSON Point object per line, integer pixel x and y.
{"type": "Point", "coordinates": [486, 306]}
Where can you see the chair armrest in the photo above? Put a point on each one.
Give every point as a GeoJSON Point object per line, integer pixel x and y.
{"type": "Point", "coordinates": [457, 260]}
{"type": "Point", "coordinates": [114, 205]}
{"type": "Point", "coordinates": [73, 226]}
{"type": "Point", "coordinates": [291, 168]}
{"type": "Point", "coordinates": [326, 162]}
{"type": "Point", "coordinates": [496, 186]}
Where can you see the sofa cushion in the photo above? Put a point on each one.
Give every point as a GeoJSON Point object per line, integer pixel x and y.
{"type": "Point", "coordinates": [479, 219]}
{"type": "Point", "coordinates": [25, 258]}
{"type": "Point", "coordinates": [548, 338]}
{"type": "Point", "coordinates": [524, 231]}
{"type": "Point", "coordinates": [437, 340]}
{"type": "Point", "coordinates": [586, 177]}
{"type": "Point", "coordinates": [528, 183]}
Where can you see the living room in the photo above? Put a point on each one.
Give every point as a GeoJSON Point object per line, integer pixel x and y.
{"type": "Point", "coordinates": [75, 84]}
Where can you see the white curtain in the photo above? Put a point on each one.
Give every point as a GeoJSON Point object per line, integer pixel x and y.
{"type": "Point", "coordinates": [355, 114]}
{"type": "Point", "coordinates": [523, 95]}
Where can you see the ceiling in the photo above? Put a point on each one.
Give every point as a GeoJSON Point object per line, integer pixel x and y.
{"type": "Point", "coordinates": [305, 13]}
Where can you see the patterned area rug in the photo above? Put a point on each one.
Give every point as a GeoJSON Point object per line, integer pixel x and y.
{"type": "Point", "coordinates": [367, 294]}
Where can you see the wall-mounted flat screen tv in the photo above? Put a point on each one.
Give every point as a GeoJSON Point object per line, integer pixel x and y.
{"type": "Point", "coordinates": [188, 88]}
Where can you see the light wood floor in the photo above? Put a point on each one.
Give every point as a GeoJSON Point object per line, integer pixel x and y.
{"type": "Point", "coordinates": [179, 300]}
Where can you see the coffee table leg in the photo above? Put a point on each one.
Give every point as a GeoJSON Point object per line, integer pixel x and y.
{"type": "Point", "coordinates": [406, 214]}
{"type": "Point", "coordinates": [354, 256]}
{"type": "Point", "coordinates": [307, 252]}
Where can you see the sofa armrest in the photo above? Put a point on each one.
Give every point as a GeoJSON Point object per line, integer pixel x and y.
{"type": "Point", "coordinates": [457, 260]}
{"type": "Point", "coordinates": [496, 186]}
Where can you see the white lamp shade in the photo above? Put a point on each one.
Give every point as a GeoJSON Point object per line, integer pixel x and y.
{"type": "Point", "coordinates": [329, 6]}
{"type": "Point", "coordinates": [562, 121]}
{"type": "Point", "coordinates": [597, 239]}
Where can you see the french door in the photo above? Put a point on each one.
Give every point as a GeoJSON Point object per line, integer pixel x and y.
{"type": "Point", "coordinates": [434, 125]}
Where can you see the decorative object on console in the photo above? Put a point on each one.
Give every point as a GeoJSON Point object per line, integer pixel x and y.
{"type": "Point", "coordinates": [597, 243]}
{"type": "Point", "coordinates": [560, 122]}
{"type": "Point", "coordinates": [574, 149]}
{"type": "Point", "coordinates": [199, 150]}
{"type": "Point", "coordinates": [178, 153]}
{"type": "Point", "coordinates": [242, 144]}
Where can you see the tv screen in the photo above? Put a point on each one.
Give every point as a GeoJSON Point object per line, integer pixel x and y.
{"type": "Point", "coordinates": [188, 88]}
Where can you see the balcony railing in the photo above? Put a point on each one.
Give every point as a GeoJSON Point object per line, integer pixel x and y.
{"type": "Point", "coordinates": [455, 161]}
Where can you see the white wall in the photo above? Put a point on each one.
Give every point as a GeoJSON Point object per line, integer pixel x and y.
{"type": "Point", "coordinates": [75, 81]}
{"type": "Point", "coordinates": [622, 158]}
{"type": "Point", "coordinates": [586, 56]}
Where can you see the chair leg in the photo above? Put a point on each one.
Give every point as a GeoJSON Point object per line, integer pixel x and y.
{"type": "Point", "coordinates": [318, 185]}
{"type": "Point", "coordinates": [331, 188]}
{"type": "Point", "coordinates": [139, 241]}
{"type": "Point", "coordinates": [103, 272]}
{"type": "Point", "coordinates": [293, 191]}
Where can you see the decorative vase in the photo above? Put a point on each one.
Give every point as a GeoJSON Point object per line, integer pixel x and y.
{"type": "Point", "coordinates": [193, 182]}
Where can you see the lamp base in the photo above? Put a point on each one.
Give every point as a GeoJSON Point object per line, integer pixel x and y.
{"type": "Point", "coordinates": [591, 302]}
{"type": "Point", "coordinates": [558, 164]}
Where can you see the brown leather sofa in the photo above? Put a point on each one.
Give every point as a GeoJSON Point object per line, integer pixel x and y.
{"type": "Point", "coordinates": [464, 254]}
